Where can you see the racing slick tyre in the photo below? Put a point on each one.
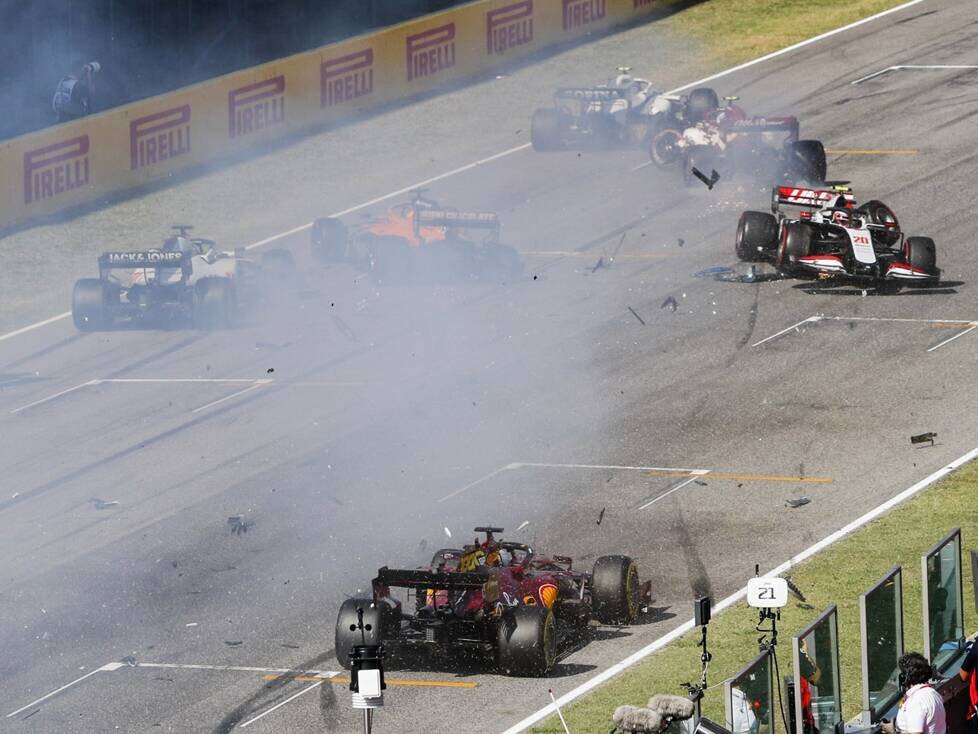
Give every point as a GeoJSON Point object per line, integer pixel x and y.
{"type": "Point", "coordinates": [664, 149]}
{"type": "Point", "coordinates": [806, 159]}
{"type": "Point", "coordinates": [757, 236]}
{"type": "Point", "coordinates": [89, 300]}
{"type": "Point", "coordinates": [347, 634]}
{"type": "Point", "coordinates": [278, 264]}
{"type": "Point", "coordinates": [615, 592]}
{"type": "Point", "coordinates": [527, 641]}
{"type": "Point", "coordinates": [921, 252]}
{"type": "Point", "coordinates": [547, 130]}
{"type": "Point", "coordinates": [329, 240]}
{"type": "Point", "coordinates": [796, 242]}
{"type": "Point", "coordinates": [213, 303]}
{"type": "Point", "coordinates": [702, 102]}
{"type": "Point", "coordinates": [876, 212]}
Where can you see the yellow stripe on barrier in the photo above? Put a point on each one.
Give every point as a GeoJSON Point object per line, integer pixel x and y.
{"type": "Point", "coordinates": [148, 140]}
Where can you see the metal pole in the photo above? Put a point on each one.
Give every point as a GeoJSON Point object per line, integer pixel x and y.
{"type": "Point", "coordinates": [367, 720]}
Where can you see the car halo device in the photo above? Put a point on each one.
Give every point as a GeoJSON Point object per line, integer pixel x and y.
{"type": "Point", "coordinates": [366, 674]}
{"type": "Point", "coordinates": [767, 593]}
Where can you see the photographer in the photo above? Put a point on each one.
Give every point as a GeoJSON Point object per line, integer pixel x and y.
{"type": "Point", "coordinates": [922, 709]}
{"type": "Point", "coordinates": [73, 95]}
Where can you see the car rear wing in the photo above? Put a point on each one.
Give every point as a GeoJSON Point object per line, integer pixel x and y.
{"type": "Point", "coordinates": [589, 94]}
{"type": "Point", "coordinates": [808, 198]}
{"type": "Point", "coordinates": [146, 259]}
{"type": "Point", "coordinates": [759, 125]}
{"type": "Point", "coordinates": [457, 220]}
{"type": "Point", "coordinates": [421, 579]}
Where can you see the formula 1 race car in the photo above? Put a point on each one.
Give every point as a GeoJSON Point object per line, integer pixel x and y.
{"type": "Point", "coordinates": [493, 599]}
{"type": "Point", "coordinates": [727, 140]}
{"type": "Point", "coordinates": [187, 279]}
{"type": "Point", "coordinates": [625, 110]}
{"type": "Point", "coordinates": [419, 241]}
{"type": "Point", "coordinates": [835, 238]}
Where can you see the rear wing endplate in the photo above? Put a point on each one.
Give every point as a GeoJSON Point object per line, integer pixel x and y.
{"type": "Point", "coordinates": [421, 579]}
{"type": "Point", "coordinates": [147, 259]}
{"type": "Point", "coordinates": [809, 198]}
{"type": "Point", "coordinates": [589, 94]}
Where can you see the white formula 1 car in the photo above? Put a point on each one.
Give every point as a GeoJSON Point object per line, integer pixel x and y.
{"type": "Point", "coordinates": [627, 109]}
{"type": "Point", "coordinates": [834, 238]}
{"type": "Point", "coordinates": [187, 279]}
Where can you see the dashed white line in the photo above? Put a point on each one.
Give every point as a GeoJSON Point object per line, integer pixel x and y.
{"type": "Point", "coordinates": [959, 334]}
{"type": "Point", "coordinates": [280, 704]}
{"type": "Point", "coordinates": [89, 674]}
{"type": "Point", "coordinates": [809, 320]}
{"type": "Point", "coordinates": [914, 67]}
{"type": "Point", "coordinates": [257, 384]}
{"type": "Point", "coordinates": [697, 474]}
{"type": "Point", "coordinates": [53, 397]}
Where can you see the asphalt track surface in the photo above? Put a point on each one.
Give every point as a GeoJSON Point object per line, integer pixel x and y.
{"type": "Point", "coordinates": [354, 423]}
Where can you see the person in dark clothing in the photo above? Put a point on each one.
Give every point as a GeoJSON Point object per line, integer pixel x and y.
{"type": "Point", "coordinates": [969, 674]}
{"type": "Point", "coordinates": [73, 95]}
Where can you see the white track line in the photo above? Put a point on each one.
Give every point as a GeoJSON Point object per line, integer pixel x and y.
{"type": "Point", "coordinates": [674, 489]}
{"type": "Point", "coordinates": [108, 667]}
{"type": "Point", "coordinates": [618, 467]}
{"type": "Point", "coordinates": [497, 156]}
{"type": "Point", "coordinates": [52, 397]}
{"type": "Point", "coordinates": [737, 596]}
{"type": "Point", "coordinates": [239, 669]}
{"type": "Point", "coordinates": [901, 67]}
{"type": "Point", "coordinates": [809, 320]}
{"type": "Point", "coordinates": [895, 319]}
{"type": "Point", "coordinates": [480, 480]}
{"type": "Point", "coordinates": [532, 464]}
{"type": "Point", "coordinates": [948, 341]}
{"type": "Point", "coordinates": [257, 384]}
{"type": "Point", "coordinates": [280, 704]}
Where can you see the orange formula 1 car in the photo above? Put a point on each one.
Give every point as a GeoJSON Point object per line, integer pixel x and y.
{"type": "Point", "coordinates": [419, 241]}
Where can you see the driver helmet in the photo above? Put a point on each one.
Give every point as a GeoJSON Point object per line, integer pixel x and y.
{"type": "Point", "coordinates": [841, 215]}
{"type": "Point", "coordinates": [622, 81]}
{"type": "Point", "coordinates": [472, 560]}
{"type": "Point", "coordinates": [177, 244]}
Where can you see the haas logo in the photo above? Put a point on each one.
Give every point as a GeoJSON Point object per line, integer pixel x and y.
{"type": "Point", "coordinates": [509, 26]}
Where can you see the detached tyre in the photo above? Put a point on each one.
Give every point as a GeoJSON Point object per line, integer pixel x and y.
{"type": "Point", "coordinates": [615, 590]}
{"type": "Point", "coordinates": [547, 130]}
{"type": "Point", "coordinates": [330, 240]}
{"type": "Point", "coordinates": [757, 236]}
{"type": "Point", "coordinates": [876, 212]}
{"type": "Point", "coordinates": [347, 634]}
{"type": "Point", "coordinates": [664, 149]}
{"type": "Point", "coordinates": [806, 158]}
{"type": "Point", "coordinates": [89, 302]}
{"type": "Point", "coordinates": [213, 303]}
{"type": "Point", "coordinates": [527, 641]}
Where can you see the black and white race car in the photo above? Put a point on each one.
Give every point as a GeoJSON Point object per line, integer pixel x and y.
{"type": "Point", "coordinates": [625, 110]}
{"type": "Point", "coordinates": [187, 280]}
{"type": "Point", "coordinates": [833, 237]}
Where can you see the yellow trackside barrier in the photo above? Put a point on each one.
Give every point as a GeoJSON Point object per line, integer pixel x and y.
{"type": "Point", "coordinates": [145, 141]}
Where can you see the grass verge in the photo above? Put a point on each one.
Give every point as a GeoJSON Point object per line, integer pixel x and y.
{"type": "Point", "coordinates": [733, 31]}
{"type": "Point", "coordinates": [836, 576]}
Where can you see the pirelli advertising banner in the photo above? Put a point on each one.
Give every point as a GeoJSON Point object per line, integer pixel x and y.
{"type": "Point", "coordinates": [116, 150]}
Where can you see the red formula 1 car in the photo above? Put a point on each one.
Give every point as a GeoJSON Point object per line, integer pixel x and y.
{"type": "Point", "coordinates": [832, 237]}
{"type": "Point", "coordinates": [494, 599]}
{"type": "Point", "coordinates": [728, 140]}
